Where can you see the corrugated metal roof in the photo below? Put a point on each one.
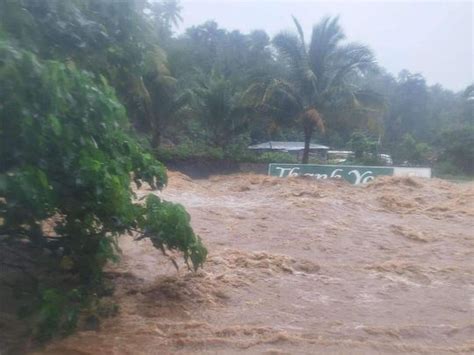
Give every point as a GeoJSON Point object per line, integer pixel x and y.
{"type": "Point", "coordinates": [340, 152]}
{"type": "Point", "coordinates": [273, 145]}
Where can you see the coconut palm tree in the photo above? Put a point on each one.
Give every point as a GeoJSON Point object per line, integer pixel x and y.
{"type": "Point", "coordinates": [166, 15]}
{"type": "Point", "coordinates": [224, 115]}
{"type": "Point", "coordinates": [319, 75]}
{"type": "Point", "coordinates": [164, 99]}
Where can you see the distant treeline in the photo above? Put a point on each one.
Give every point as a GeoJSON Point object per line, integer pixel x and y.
{"type": "Point", "coordinates": [217, 89]}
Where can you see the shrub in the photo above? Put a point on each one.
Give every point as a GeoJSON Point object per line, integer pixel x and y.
{"type": "Point", "coordinates": [412, 152]}
{"type": "Point", "coordinates": [66, 156]}
{"type": "Point", "coordinates": [362, 146]}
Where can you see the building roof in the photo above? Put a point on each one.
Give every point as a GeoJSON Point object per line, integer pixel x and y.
{"type": "Point", "coordinates": [340, 152]}
{"type": "Point", "coordinates": [288, 146]}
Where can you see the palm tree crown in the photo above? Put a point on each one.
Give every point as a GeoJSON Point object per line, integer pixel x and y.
{"type": "Point", "coordinates": [320, 74]}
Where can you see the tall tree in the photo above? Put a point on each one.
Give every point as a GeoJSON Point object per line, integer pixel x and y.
{"type": "Point", "coordinates": [121, 40]}
{"type": "Point", "coordinates": [67, 155]}
{"type": "Point", "coordinates": [320, 75]}
{"type": "Point", "coordinates": [409, 111]}
{"type": "Point", "coordinates": [222, 110]}
{"type": "Point", "coordinates": [166, 99]}
{"type": "Point", "coordinates": [165, 14]}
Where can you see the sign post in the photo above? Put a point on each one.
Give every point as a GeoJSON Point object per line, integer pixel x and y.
{"type": "Point", "coordinates": [354, 174]}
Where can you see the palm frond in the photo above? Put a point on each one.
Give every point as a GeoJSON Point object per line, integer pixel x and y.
{"type": "Point", "coordinates": [293, 51]}
{"type": "Point", "coordinates": [346, 63]}
{"type": "Point", "coordinates": [325, 38]}
{"type": "Point", "coordinates": [354, 56]}
{"type": "Point", "coordinates": [289, 47]}
{"type": "Point", "coordinates": [180, 102]}
{"type": "Point", "coordinates": [253, 94]}
{"type": "Point", "coordinates": [300, 30]}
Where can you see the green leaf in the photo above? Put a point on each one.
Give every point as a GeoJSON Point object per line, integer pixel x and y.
{"type": "Point", "coordinates": [55, 124]}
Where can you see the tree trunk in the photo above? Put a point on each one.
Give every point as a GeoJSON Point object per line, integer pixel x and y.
{"type": "Point", "coordinates": [307, 140]}
{"type": "Point", "coordinates": [156, 139]}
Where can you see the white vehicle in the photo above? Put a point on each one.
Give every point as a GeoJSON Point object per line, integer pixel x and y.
{"type": "Point", "coordinates": [340, 156]}
{"type": "Point", "coordinates": [387, 159]}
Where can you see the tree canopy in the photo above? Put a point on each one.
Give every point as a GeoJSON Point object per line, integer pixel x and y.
{"type": "Point", "coordinates": [69, 157]}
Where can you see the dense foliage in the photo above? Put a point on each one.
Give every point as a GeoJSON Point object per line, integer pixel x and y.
{"type": "Point", "coordinates": [402, 115]}
{"type": "Point", "coordinates": [69, 160]}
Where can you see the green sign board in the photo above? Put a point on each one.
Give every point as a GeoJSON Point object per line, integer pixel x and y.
{"type": "Point", "coordinates": [353, 174]}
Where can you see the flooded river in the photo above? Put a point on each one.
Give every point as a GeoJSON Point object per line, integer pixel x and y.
{"type": "Point", "coordinates": [298, 266]}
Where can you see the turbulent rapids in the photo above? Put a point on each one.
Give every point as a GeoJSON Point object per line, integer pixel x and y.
{"type": "Point", "coordinates": [298, 266]}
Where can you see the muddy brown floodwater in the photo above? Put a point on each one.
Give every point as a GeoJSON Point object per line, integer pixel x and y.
{"type": "Point", "coordinates": [299, 266]}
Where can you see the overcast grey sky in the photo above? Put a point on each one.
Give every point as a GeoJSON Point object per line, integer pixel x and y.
{"type": "Point", "coordinates": [433, 38]}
